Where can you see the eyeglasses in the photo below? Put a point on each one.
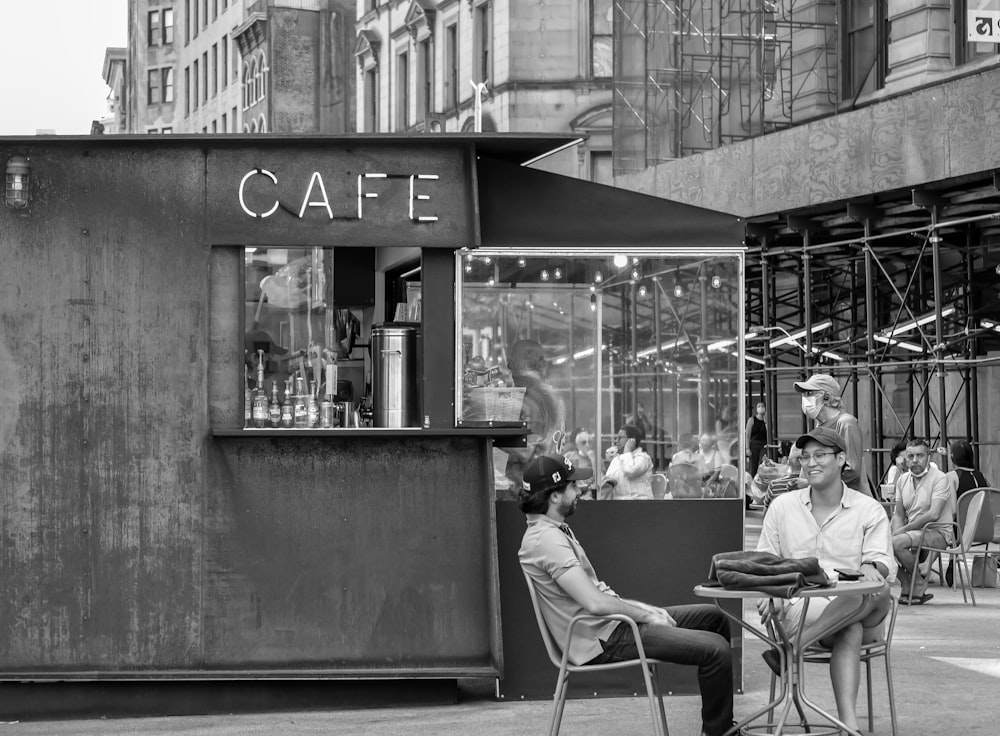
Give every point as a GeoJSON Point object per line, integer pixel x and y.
{"type": "Point", "coordinates": [805, 458]}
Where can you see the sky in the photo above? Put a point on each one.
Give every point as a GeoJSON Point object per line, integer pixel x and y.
{"type": "Point", "coordinates": [52, 60]}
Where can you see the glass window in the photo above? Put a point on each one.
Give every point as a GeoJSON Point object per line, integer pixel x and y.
{"type": "Point", "coordinates": [168, 25]}
{"type": "Point", "coordinates": [153, 30]}
{"type": "Point", "coordinates": [153, 87]}
{"type": "Point", "coordinates": [204, 72]}
{"type": "Point", "coordinates": [968, 52]}
{"type": "Point", "coordinates": [591, 341]}
{"type": "Point", "coordinates": [601, 36]}
{"type": "Point", "coordinates": [187, 90]}
{"type": "Point", "coordinates": [194, 79]}
{"type": "Point", "coordinates": [865, 47]}
{"type": "Point", "coordinates": [402, 91]}
{"type": "Point", "coordinates": [425, 79]}
{"type": "Point", "coordinates": [371, 101]}
{"type": "Point", "coordinates": [482, 35]}
{"type": "Point", "coordinates": [215, 69]}
{"type": "Point", "coordinates": [168, 84]}
{"type": "Point", "coordinates": [451, 67]}
{"type": "Point", "coordinates": [303, 345]}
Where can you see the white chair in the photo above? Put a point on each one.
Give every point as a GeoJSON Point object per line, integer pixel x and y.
{"type": "Point", "coordinates": [964, 534]}
{"type": "Point", "coordinates": [559, 656]}
{"type": "Point", "coordinates": [878, 648]}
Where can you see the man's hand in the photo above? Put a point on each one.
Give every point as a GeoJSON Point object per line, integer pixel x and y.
{"type": "Point", "coordinates": [871, 574]}
{"type": "Point", "coordinates": [656, 615]}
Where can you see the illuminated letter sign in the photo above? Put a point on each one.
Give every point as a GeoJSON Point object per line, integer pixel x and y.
{"type": "Point", "coordinates": [243, 183]}
{"type": "Point", "coordinates": [307, 202]}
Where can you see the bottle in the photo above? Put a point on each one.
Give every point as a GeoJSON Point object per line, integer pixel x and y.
{"type": "Point", "coordinates": [260, 408]}
{"type": "Point", "coordinates": [274, 409]}
{"type": "Point", "coordinates": [287, 408]}
{"type": "Point", "coordinates": [247, 398]}
{"type": "Point", "coordinates": [312, 406]}
{"type": "Point", "coordinates": [300, 415]}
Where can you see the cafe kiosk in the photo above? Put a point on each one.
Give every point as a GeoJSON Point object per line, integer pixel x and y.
{"type": "Point", "coordinates": [157, 535]}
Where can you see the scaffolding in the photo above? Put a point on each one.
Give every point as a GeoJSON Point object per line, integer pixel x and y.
{"type": "Point", "coordinates": [905, 318]}
{"type": "Point", "coordinates": [693, 75]}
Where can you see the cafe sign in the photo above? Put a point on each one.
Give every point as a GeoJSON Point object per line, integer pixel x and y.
{"type": "Point", "coordinates": [984, 26]}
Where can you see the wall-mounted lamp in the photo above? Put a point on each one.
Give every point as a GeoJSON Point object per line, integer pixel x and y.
{"type": "Point", "coordinates": [16, 188]}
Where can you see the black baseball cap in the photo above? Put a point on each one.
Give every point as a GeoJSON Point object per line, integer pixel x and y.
{"type": "Point", "coordinates": [548, 472]}
{"type": "Point", "coordinates": [824, 436]}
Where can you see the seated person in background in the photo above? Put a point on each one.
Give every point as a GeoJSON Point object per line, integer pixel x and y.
{"type": "Point", "coordinates": [630, 474]}
{"type": "Point", "coordinates": [965, 477]}
{"type": "Point", "coordinates": [773, 480]}
{"type": "Point", "coordinates": [897, 462]}
{"type": "Point", "coordinates": [708, 457]}
{"type": "Point", "coordinates": [843, 529]}
{"type": "Point", "coordinates": [567, 586]}
{"type": "Point", "coordinates": [688, 454]}
{"type": "Point", "coordinates": [922, 496]}
{"type": "Point", "coordinates": [580, 452]}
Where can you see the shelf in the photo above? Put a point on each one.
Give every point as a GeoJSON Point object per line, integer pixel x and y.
{"type": "Point", "coordinates": [502, 436]}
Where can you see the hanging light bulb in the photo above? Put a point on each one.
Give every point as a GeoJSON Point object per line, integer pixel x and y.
{"type": "Point", "coordinates": [635, 260]}
{"type": "Point", "coordinates": [521, 262]}
{"type": "Point", "coordinates": [599, 277]}
{"type": "Point", "coordinates": [557, 273]}
{"type": "Point", "coordinates": [487, 259]}
{"type": "Point", "coordinates": [642, 290]}
{"type": "Point", "coordinates": [635, 274]}
{"type": "Point", "coordinates": [468, 257]}
{"type": "Point", "coordinates": [593, 288]}
{"type": "Point", "coordinates": [716, 282]}
{"type": "Point", "coordinates": [468, 268]}
{"type": "Point", "coordinates": [620, 261]}
{"type": "Point", "coordinates": [678, 291]}
{"type": "Point", "coordinates": [544, 274]}
{"type": "Point", "coordinates": [593, 302]}
{"type": "Point", "coordinates": [490, 281]}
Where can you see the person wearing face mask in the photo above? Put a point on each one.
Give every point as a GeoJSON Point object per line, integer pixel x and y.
{"type": "Point", "coordinates": [822, 403]}
{"type": "Point", "coordinates": [922, 496]}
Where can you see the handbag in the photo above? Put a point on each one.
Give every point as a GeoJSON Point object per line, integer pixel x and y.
{"type": "Point", "coordinates": [984, 571]}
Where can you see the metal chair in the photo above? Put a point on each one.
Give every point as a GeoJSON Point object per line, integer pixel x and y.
{"type": "Point", "coordinates": [963, 534]}
{"type": "Point", "coordinates": [659, 484]}
{"type": "Point", "coordinates": [685, 481]}
{"type": "Point", "coordinates": [559, 656]}
{"type": "Point", "coordinates": [878, 648]}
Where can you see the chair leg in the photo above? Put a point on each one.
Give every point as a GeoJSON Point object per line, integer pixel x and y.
{"type": "Point", "coordinates": [559, 702]}
{"type": "Point", "coordinates": [871, 714]}
{"type": "Point", "coordinates": [655, 681]}
{"type": "Point", "coordinates": [966, 579]}
{"type": "Point", "coordinates": [892, 695]}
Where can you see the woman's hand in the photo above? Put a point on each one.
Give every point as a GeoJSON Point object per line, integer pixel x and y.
{"type": "Point", "coordinates": [630, 444]}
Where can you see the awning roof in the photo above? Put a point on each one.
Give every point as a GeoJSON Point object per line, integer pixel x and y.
{"type": "Point", "coordinates": [520, 206]}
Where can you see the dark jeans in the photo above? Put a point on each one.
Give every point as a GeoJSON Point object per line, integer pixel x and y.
{"type": "Point", "coordinates": [756, 451]}
{"type": "Point", "coordinates": [701, 638]}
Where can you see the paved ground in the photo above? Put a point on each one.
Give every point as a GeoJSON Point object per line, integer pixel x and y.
{"type": "Point", "coordinates": [946, 664]}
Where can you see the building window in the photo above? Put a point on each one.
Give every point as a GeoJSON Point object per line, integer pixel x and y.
{"type": "Point", "coordinates": [236, 120]}
{"type": "Point", "coordinates": [224, 126]}
{"type": "Point", "coordinates": [187, 22]}
{"type": "Point", "coordinates": [260, 77]}
{"type": "Point", "coordinates": [194, 20]}
{"type": "Point", "coordinates": [968, 52]}
{"type": "Point", "coordinates": [153, 79]}
{"type": "Point", "coordinates": [153, 33]}
{"type": "Point", "coordinates": [425, 79]}
{"type": "Point", "coordinates": [204, 76]}
{"type": "Point", "coordinates": [215, 9]}
{"type": "Point", "coordinates": [194, 79]}
{"type": "Point", "coordinates": [151, 131]}
{"type": "Point", "coordinates": [601, 38]}
{"type": "Point", "coordinates": [225, 61]}
{"type": "Point", "coordinates": [251, 87]}
{"type": "Point", "coordinates": [215, 128]}
{"type": "Point", "coordinates": [371, 101]}
{"type": "Point", "coordinates": [482, 42]}
{"type": "Point", "coordinates": [187, 91]}
{"type": "Point", "coordinates": [262, 124]}
{"type": "Point", "coordinates": [600, 167]}
{"type": "Point", "coordinates": [168, 84]}
{"type": "Point", "coordinates": [168, 26]}
{"type": "Point", "coordinates": [451, 66]}
{"type": "Point", "coordinates": [402, 91]}
{"type": "Point", "coordinates": [864, 51]}
{"type": "Point", "coordinates": [215, 69]}
{"type": "Point", "coordinates": [204, 13]}
{"type": "Point", "coordinates": [166, 131]}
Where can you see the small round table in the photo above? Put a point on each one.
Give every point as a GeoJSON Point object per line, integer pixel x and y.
{"type": "Point", "coordinates": [791, 648]}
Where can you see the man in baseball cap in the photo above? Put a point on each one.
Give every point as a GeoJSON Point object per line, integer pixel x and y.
{"type": "Point", "coordinates": [822, 403]}
{"type": "Point", "coordinates": [567, 585]}
{"type": "Point", "coordinates": [848, 532]}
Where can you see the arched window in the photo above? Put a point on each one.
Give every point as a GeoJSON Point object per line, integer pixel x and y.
{"type": "Point", "coordinates": [253, 127]}
{"type": "Point", "coordinates": [246, 128]}
{"type": "Point", "coordinates": [262, 71]}
{"type": "Point", "coordinates": [246, 85]}
{"type": "Point", "coordinates": [262, 125]}
{"type": "Point", "coordinates": [253, 82]}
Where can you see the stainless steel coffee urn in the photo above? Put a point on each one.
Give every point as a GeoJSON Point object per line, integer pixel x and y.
{"type": "Point", "coordinates": [395, 396]}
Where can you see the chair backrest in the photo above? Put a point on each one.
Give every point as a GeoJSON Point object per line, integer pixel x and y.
{"type": "Point", "coordinates": [973, 510]}
{"type": "Point", "coordinates": [984, 532]}
{"type": "Point", "coordinates": [555, 655]}
{"type": "Point", "coordinates": [659, 483]}
{"type": "Point", "coordinates": [685, 480]}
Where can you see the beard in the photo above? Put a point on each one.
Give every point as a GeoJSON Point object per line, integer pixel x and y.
{"type": "Point", "coordinates": [566, 508]}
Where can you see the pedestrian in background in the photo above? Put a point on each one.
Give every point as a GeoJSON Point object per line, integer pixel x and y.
{"type": "Point", "coordinates": [756, 437]}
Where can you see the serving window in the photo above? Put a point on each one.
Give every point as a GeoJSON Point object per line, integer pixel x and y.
{"type": "Point", "coordinates": [579, 343]}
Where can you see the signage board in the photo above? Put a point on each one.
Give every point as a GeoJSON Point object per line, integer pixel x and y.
{"type": "Point", "coordinates": [983, 26]}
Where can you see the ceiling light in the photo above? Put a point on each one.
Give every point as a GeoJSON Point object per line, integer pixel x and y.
{"type": "Point", "coordinates": [798, 335]}
{"type": "Point", "coordinates": [620, 261]}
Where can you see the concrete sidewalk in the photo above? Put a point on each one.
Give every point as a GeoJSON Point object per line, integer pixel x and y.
{"type": "Point", "coordinates": [946, 664]}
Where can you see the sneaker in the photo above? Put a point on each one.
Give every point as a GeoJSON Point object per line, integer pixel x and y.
{"type": "Point", "coordinates": [773, 660]}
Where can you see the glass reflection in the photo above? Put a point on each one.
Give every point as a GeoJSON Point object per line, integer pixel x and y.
{"type": "Point", "coordinates": [588, 348]}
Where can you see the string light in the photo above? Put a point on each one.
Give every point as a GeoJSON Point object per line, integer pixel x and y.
{"type": "Point", "coordinates": [635, 260]}
{"type": "Point", "coordinates": [468, 267]}
{"type": "Point", "coordinates": [593, 302]}
{"type": "Point", "coordinates": [557, 273]}
{"type": "Point", "coordinates": [642, 290]}
{"type": "Point", "coordinates": [620, 261]}
{"type": "Point", "coordinates": [635, 274]}
{"type": "Point", "coordinates": [545, 274]}
{"type": "Point", "coordinates": [678, 291]}
{"type": "Point", "coordinates": [598, 277]}
{"type": "Point", "coordinates": [716, 282]}
{"type": "Point", "coordinates": [490, 281]}
{"type": "Point", "coordinates": [521, 262]}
